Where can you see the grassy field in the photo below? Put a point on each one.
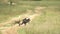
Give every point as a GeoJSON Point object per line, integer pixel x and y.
{"type": "Point", "coordinates": [46, 23]}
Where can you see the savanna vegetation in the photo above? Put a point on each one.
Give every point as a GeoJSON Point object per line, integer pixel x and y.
{"type": "Point", "coordinates": [46, 23]}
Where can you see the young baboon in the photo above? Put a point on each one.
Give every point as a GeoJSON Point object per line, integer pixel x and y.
{"type": "Point", "coordinates": [18, 22]}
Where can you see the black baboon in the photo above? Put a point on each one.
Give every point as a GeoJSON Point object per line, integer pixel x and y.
{"type": "Point", "coordinates": [25, 20]}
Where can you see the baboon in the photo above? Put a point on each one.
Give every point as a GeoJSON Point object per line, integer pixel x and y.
{"type": "Point", "coordinates": [18, 22]}
{"type": "Point", "coordinates": [25, 20]}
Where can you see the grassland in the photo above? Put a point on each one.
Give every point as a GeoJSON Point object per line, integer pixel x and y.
{"type": "Point", "coordinates": [46, 23]}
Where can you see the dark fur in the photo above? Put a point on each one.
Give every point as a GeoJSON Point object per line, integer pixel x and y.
{"type": "Point", "coordinates": [24, 21]}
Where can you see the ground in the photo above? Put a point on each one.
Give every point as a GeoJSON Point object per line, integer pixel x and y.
{"type": "Point", "coordinates": [45, 18]}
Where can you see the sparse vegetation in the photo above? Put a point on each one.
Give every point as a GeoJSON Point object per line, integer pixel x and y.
{"type": "Point", "coordinates": [46, 23]}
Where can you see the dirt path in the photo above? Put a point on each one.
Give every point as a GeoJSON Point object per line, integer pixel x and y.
{"type": "Point", "coordinates": [13, 29]}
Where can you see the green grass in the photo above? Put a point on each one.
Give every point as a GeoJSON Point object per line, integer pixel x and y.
{"type": "Point", "coordinates": [0, 32]}
{"type": "Point", "coordinates": [47, 23]}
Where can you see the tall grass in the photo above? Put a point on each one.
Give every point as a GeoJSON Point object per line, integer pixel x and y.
{"type": "Point", "coordinates": [47, 23]}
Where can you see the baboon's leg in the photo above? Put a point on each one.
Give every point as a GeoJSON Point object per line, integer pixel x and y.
{"type": "Point", "coordinates": [21, 23]}
{"type": "Point", "coordinates": [25, 24]}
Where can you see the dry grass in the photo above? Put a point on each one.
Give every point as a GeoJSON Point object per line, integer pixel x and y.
{"type": "Point", "coordinates": [13, 29]}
